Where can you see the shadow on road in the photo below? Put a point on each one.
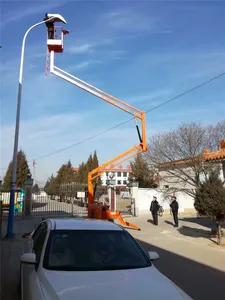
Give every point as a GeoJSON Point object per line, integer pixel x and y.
{"type": "Point", "coordinates": [38, 204]}
{"type": "Point", "coordinates": [169, 222]}
{"type": "Point", "coordinates": [52, 214]}
{"type": "Point", "coordinates": [199, 281]}
{"type": "Point", "coordinates": [203, 221]}
{"type": "Point", "coordinates": [150, 221]}
{"type": "Point", "coordinates": [206, 222]}
{"type": "Point", "coordinates": [194, 232]}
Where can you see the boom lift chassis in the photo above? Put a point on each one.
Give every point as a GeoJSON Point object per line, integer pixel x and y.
{"type": "Point", "coordinates": [95, 210]}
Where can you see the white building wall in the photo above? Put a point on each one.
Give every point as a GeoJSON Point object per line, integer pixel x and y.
{"type": "Point", "coordinates": [144, 198]}
{"type": "Point", "coordinates": [166, 179]}
{"type": "Point", "coordinates": [222, 171]}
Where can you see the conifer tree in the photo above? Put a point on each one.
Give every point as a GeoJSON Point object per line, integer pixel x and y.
{"type": "Point", "coordinates": [81, 174]}
{"type": "Point", "coordinates": [210, 199]}
{"type": "Point", "coordinates": [95, 163]}
{"type": "Point", "coordinates": [35, 189]}
{"type": "Point", "coordinates": [90, 163]}
{"type": "Point", "coordinates": [21, 173]}
{"type": "Point", "coordinates": [50, 186]}
{"type": "Point", "coordinates": [142, 173]}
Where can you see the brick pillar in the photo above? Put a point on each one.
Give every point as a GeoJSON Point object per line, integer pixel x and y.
{"type": "Point", "coordinates": [28, 195]}
{"type": "Point", "coordinates": [134, 193]}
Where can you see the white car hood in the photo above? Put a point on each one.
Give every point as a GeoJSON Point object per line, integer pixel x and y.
{"type": "Point", "coordinates": [143, 284]}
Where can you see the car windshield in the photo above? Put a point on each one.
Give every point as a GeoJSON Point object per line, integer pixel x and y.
{"type": "Point", "coordinates": [92, 250]}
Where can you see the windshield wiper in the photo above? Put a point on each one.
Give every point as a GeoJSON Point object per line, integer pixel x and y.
{"type": "Point", "coordinates": [100, 268]}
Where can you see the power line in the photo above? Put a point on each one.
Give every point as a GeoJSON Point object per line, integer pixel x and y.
{"type": "Point", "coordinates": [80, 142]}
{"type": "Point", "coordinates": [147, 111]}
{"type": "Point", "coordinates": [85, 140]}
{"type": "Point", "coordinates": [186, 92]}
{"type": "Point", "coordinates": [124, 122]}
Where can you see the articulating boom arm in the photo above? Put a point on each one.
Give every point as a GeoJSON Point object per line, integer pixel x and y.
{"type": "Point", "coordinates": [105, 167]}
{"type": "Point", "coordinates": [136, 113]}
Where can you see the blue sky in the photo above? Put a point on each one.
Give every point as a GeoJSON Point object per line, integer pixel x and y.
{"type": "Point", "coordinates": [143, 52]}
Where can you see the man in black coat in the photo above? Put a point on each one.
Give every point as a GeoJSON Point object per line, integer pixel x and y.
{"type": "Point", "coordinates": [154, 210]}
{"type": "Point", "coordinates": [50, 26]}
{"type": "Point", "coordinates": [174, 207]}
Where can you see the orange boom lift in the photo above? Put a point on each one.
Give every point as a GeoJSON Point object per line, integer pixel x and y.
{"type": "Point", "coordinates": [95, 210]}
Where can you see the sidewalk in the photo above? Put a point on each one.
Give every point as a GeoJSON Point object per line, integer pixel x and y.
{"type": "Point", "coordinates": [10, 258]}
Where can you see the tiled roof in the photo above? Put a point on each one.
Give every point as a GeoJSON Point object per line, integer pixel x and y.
{"type": "Point", "coordinates": [117, 170]}
{"type": "Point", "coordinates": [111, 168]}
{"type": "Point", "coordinates": [216, 155]}
{"type": "Point", "coordinates": [175, 163]}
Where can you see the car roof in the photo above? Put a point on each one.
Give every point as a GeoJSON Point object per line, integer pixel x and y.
{"type": "Point", "coordinates": [84, 224]}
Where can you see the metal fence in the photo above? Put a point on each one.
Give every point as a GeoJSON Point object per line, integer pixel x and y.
{"type": "Point", "coordinates": [123, 200]}
{"type": "Point", "coordinates": [101, 193]}
{"type": "Point", "coordinates": [54, 206]}
{"type": "Point", "coordinates": [123, 197]}
{"type": "Point", "coordinates": [69, 200]}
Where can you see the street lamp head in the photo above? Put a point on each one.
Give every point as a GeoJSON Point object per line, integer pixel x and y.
{"type": "Point", "coordinates": [28, 176]}
{"type": "Point", "coordinates": [56, 18]}
{"type": "Point", "coordinates": [111, 175]}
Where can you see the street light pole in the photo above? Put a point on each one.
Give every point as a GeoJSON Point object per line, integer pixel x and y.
{"type": "Point", "coordinates": [16, 139]}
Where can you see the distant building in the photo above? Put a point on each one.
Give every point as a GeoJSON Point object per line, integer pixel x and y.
{"type": "Point", "coordinates": [121, 175]}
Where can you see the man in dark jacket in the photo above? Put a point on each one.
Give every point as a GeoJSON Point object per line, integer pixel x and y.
{"type": "Point", "coordinates": [154, 210]}
{"type": "Point", "coordinates": [174, 207]}
{"type": "Point", "coordinates": [50, 26]}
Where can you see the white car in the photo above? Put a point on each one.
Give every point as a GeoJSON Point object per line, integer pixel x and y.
{"type": "Point", "coordinates": [83, 259]}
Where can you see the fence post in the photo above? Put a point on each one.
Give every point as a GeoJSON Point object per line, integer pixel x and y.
{"type": "Point", "coordinates": [133, 207]}
{"type": "Point", "coordinates": [134, 192]}
{"type": "Point", "coordinates": [72, 206]}
{"type": "Point", "coordinates": [28, 195]}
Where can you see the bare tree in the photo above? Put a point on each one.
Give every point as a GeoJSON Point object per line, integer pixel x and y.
{"type": "Point", "coordinates": [215, 133]}
{"type": "Point", "coordinates": [179, 154]}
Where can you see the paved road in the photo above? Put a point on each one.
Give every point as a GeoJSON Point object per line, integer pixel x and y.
{"type": "Point", "coordinates": [187, 256]}
{"type": "Point", "coordinates": [200, 281]}
{"type": "Point", "coordinates": [194, 263]}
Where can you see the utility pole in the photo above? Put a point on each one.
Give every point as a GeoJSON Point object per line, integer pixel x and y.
{"type": "Point", "coordinates": [53, 17]}
{"type": "Point", "coordinates": [34, 176]}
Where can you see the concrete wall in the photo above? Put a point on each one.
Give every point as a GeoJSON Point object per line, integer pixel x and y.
{"type": "Point", "coordinates": [223, 171]}
{"type": "Point", "coordinates": [143, 198]}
